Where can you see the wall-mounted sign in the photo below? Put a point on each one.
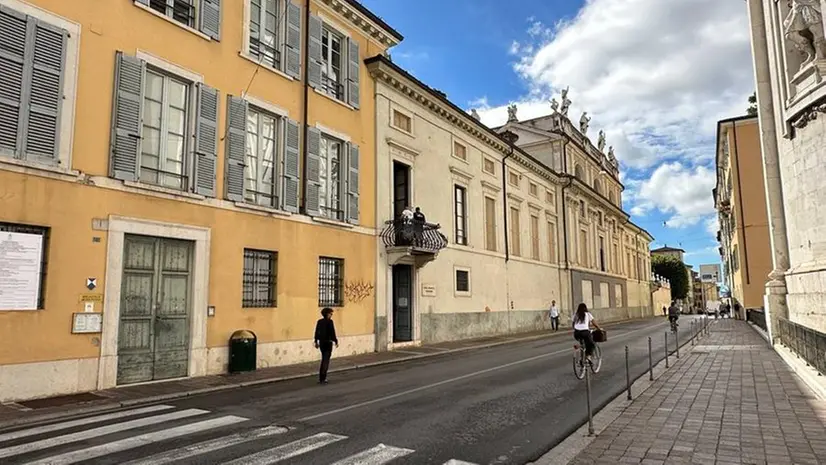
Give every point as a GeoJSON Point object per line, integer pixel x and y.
{"type": "Point", "coordinates": [429, 290]}
{"type": "Point", "coordinates": [91, 298]}
{"type": "Point", "coordinates": [87, 323]}
{"type": "Point", "coordinates": [20, 257]}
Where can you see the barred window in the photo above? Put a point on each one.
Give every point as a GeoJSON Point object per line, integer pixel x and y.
{"type": "Point", "coordinates": [330, 282]}
{"type": "Point", "coordinates": [16, 239]}
{"type": "Point", "coordinates": [182, 11]}
{"type": "Point", "coordinates": [260, 279]}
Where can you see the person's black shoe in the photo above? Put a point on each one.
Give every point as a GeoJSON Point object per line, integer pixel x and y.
{"type": "Point", "coordinates": [323, 382]}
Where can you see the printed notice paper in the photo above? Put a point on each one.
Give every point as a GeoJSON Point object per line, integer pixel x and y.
{"type": "Point", "coordinates": [20, 257]}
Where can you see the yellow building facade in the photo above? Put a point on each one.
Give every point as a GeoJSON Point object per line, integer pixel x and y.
{"type": "Point", "coordinates": [171, 172]}
{"type": "Point", "coordinates": [740, 200]}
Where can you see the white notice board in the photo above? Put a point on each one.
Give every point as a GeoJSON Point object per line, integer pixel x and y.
{"type": "Point", "coordinates": [20, 261]}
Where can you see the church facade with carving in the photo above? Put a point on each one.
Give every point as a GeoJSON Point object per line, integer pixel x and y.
{"type": "Point", "coordinates": [789, 55]}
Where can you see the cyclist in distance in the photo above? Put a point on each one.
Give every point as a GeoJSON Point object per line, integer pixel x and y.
{"type": "Point", "coordinates": [583, 319]}
{"type": "Point", "coordinates": [673, 313]}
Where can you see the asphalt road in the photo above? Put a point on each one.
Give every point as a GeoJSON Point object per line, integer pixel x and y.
{"type": "Point", "coordinates": [504, 405]}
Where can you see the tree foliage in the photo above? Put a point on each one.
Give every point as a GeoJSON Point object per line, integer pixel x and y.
{"type": "Point", "coordinates": [673, 269]}
{"type": "Point", "coordinates": [752, 109]}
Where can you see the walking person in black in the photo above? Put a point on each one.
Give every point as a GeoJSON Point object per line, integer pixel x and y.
{"type": "Point", "coordinates": [325, 337]}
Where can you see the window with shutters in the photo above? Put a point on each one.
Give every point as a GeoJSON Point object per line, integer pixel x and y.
{"type": "Point", "coordinates": [513, 179]}
{"type": "Point", "coordinates": [259, 285]}
{"type": "Point", "coordinates": [488, 166]}
{"type": "Point", "coordinates": [402, 122]}
{"type": "Point", "coordinates": [460, 214]}
{"type": "Point", "coordinates": [515, 233]}
{"type": "Point", "coordinates": [533, 189]}
{"type": "Point", "coordinates": [333, 69]}
{"type": "Point", "coordinates": [334, 65]}
{"type": "Point", "coordinates": [166, 115]}
{"type": "Point", "coordinates": [202, 16]}
{"type": "Point", "coordinates": [462, 281]}
{"type": "Point", "coordinates": [459, 151]}
{"type": "Point", "coordinates": [330, 174]}
{"type": "Point", "coordinates": [36, 71]}
{"type": "Point", "coordinates": [490, 224]}
{"type": "Point", "coordinates": [330, 282]}
{"type": "Point", "coordinates": [534, 237]}
{"type": "Point", "coordinates": [552, 242]}
{"type": "Point", "coordinates": [261, 170]}
{"type": "Point", "coordinates": [265, 32]}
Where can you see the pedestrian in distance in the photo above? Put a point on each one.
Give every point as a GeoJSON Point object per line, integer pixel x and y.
{"type": "Point", "coordinates": [325, 337]}
{"type": "Point", "coordinates": [553, 314]}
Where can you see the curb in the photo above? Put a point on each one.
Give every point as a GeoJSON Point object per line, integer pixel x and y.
{"type": "Point", "coordinates": [578, 441]}
{"type": "Point", "coordinates": [23, 421]}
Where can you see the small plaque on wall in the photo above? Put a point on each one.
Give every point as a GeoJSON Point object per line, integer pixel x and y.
{"type": "Point", "coordinates": [429, 290]}
{"type": "Point", "coordinates": [87, 323]}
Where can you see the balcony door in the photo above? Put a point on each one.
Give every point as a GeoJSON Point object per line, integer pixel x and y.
{"type": "Point", "coordinates": [401, 188]}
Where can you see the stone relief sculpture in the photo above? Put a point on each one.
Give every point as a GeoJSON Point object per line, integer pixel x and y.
{"type": "Point", "coordinates": [566, 103]}
{"type": "Point", "coordinates": [475, 115]}
{"type": "Point", "coordinates": [512, 113]}
{"type": "Point", "coordinates": [803, 27]}
{"type": "Point", "coordinates": [611, 156]}
{"type": "Point", "coordinates": [554, 105]}
{"type": "Point", "coordinates": [601, 140]}
{"type": "Point", "coordinates": [583, 123]}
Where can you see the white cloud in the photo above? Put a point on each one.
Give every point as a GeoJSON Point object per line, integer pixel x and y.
{"type": "Point", "coordinates": [674, 189]}
{"type": "Point", "coordinates": [655, 75]}
{"type": "Point", "coordinates": [712, 225]}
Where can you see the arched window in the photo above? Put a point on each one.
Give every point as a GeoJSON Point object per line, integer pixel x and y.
{"type": "Point", "coordinates": [579, 172]}
{"type": "Point", "coordinates": [597, 186]}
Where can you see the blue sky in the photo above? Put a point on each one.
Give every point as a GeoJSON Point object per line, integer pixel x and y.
{"type": "Point", "coordinates": [655, 75]}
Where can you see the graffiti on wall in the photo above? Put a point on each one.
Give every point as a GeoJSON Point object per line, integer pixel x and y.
{"type": "Point", "coordinates": [356, 291]}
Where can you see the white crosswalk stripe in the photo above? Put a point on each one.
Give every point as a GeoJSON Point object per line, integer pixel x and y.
{"type": "Point", "coordinates": [378, 455]}
{"type": "Point", "coordinates": [96, 432]}
{"type": "Point", "coordinates": [83, 421]}
{"type": "Point", "coordinates": [103, 441]}
{"type": "Point", "coordinates": [137, 441]}
{"type": "Point", "coordinates": [209, 446]}
{"type": "Point", "coordinates": [277, 454]}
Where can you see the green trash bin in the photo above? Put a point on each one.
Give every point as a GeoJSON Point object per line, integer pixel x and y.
{"type": "Point", "coordinates": [242, 351]}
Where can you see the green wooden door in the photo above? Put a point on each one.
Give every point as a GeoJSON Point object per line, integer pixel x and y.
{"type": "Point", "coordinates": [153, 340]}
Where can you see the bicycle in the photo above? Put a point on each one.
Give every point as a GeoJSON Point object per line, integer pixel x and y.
{"type": "Point", "coordinates": [674, 326]}
{"type": "Point", "coordinates": [579, 359]}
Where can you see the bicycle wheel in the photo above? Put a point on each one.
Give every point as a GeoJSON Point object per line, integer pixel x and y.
{"type": "Point", "coordinates": [579, 364]}
{"type": "Point", "coordinates": [596, 359]}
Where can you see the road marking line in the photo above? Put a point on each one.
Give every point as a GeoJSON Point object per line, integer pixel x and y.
{"type": "Point", "coordinates": [137, 441]}
{"type": "Point", "coordinates": [458, 378]}
{"type": "Point", "coordinates": [378, 455]}
{"type": "Point", "coordinates": [209, 446]}
{"type": "Point", "coordinates": [83, 421]}
{"type": "Point", "coordinates": [292, 449]}
{"type": "Point", "coordinates": [96, 432]}
{"type": "Point", "coordinates": [457, 462]}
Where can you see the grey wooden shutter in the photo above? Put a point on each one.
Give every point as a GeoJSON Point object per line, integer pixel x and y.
{"type": "Point", "coordinates": [206, 141]}
{"type": "Point", "coordinates": [210, 16]}
{"type": "Point", "coordinates": [13, 32]}
{"type": "Point", "coordinates": [44, 92]}
{"type": "Point", "coordinates": [353, 184]}
{"type": "Point", "coordinates": [291, 176]}
{"type": "Point", "coordinates": [127, 117]}
{"type": "Point", "coordinates": [312, 187]}
{"type": "Point", "coordinates": [353, 71]}
{"type": "Point", "coordinates": [314, 66]}
{"type": "Point", "coordinates": [292, 46]}
{"type": "Point", "coordinates": [236, 147]}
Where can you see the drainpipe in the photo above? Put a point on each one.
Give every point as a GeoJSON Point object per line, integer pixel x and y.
{"type": "Point", "coordinates": [306, 103]}
{"type": "Point", "coordinates": [735, 152]}
{"type": "Point", "coordinates": [510, 138]}
{"type": "Point", "coordinates": [565, 219]}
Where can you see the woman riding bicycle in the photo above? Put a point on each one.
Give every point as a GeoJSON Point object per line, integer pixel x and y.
{"type": "Point", "coordinates": [583, 319]}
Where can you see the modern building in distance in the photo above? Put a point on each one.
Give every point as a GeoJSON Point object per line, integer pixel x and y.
{"type": "Point", "coordinates": [791, 94]}
{"type": "Point", "coordinates": [710, 273]}
{"type": "Point", "coordinates": [741, 207]}
{"type": "Point", "coordinates": [168, 178]}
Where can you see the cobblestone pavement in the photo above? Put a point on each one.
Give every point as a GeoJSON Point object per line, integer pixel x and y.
{"type": "Point", "coordinates": [732, 400]}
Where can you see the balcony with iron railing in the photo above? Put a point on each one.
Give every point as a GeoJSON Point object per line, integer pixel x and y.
{"type": "Point", "coordinates": [412, 241]}
{"type": "Point", "coordinates": [332, 87]}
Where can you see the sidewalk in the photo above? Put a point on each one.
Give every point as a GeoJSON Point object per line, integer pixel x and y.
{"type": "Point", "coordinates": [731, 400]}
{"type": "Point", "coordinates": [25, 412]}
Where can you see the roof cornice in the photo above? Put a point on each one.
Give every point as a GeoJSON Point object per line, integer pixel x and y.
{"type": "Point", "coordinates": [383, 70]}
{"type": "Point", "coordinates": [365, 20]}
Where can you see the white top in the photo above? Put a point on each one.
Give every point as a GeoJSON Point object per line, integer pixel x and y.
{"type": "Point", "coordinates": [583, 325]}
{"type": "Point", "coordinates": [554, 311]}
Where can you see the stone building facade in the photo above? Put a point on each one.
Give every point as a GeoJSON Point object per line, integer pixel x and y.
{"type": "Point", "coordinates": [789, 53]}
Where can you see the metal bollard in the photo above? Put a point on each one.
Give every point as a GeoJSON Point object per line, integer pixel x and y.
{"type": "Point", "coordinates": [691, 332]}
{"type": "Point", "coordinates": [666, 349]}
{"type": "Point", "coordinates": [627, 374]}
{"type": "Point", "coordinates": [677, 342]}
{"type": "Point", "coordinates": [588, 398]}
{"type": "Point", "coordinates": [650, 361]}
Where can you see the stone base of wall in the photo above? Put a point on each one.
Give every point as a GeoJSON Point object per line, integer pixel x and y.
{"type": "Point", "coordinates": [806, 298]}
{"type": "Point", "coordinates": [444, 327]}
{"type": "Point", "coordinates": [26, 381]}
{"type": "Point", "coordinates": [610, 315]}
